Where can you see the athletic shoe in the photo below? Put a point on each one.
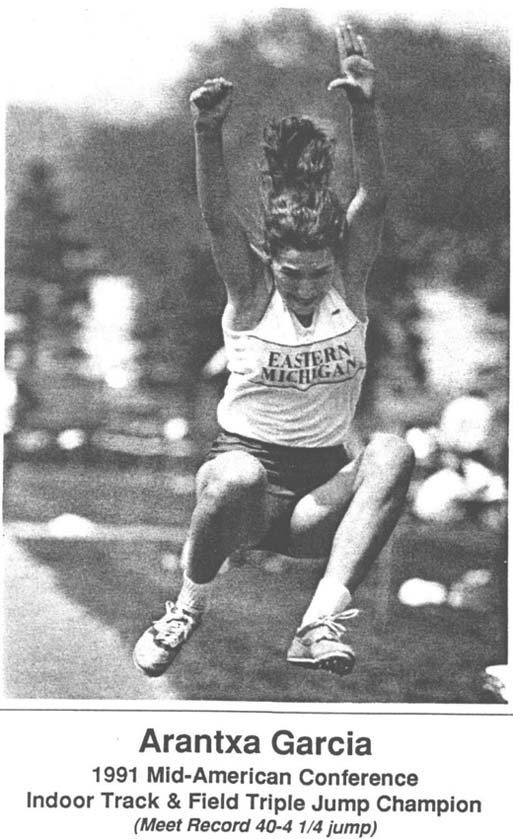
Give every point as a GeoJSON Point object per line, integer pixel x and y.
{"type": "Point", "coordinates": [319, 645]}
{"type": "Point", "coordinates": [158, 646]}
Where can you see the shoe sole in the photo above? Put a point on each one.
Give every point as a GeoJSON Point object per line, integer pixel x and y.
{"type": "Point", "coordinates": [341, 665]}
{"type": "Point", "coordinates": [152, 674]}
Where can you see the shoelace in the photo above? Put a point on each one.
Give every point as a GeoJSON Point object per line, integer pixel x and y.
{"type": "Point", "coordinates": [334, 624]}
{"type": "Point", "coordinates": [173, 625]}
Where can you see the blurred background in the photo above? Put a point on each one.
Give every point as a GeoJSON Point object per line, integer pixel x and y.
{"type": "Point", "coordinates": [113, 349]}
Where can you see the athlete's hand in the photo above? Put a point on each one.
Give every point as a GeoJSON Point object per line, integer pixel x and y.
{"type": "Point", "coordinates": [211, 102]}
{"type": "Point", "coordinates": [357, 71]}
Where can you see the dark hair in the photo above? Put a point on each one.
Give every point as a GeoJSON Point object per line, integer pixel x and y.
{"type": "Point", "coordinates": [299, 208]}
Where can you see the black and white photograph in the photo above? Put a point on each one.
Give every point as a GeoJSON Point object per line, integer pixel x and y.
{"type": "Point", "coordinates": [256, 340]}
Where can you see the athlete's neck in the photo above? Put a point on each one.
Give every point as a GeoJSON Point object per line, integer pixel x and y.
{"type": "Point", "coordinates": [305, 320]}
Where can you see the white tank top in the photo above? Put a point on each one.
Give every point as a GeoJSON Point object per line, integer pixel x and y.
{"type": "Point", "coordinates": [294, 385]}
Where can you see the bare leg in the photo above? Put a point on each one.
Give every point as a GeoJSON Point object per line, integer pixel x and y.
{"type": "Point", "coordinates": [350, 518]}
{"type": "Point", "coordinates": [230, 513]}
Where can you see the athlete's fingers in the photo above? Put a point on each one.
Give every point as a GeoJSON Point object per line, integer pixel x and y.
{"type": "Point", "coordinates": [221, 83]}
{"type": "Point", "coordinates": [211, 92]}
{"type": "Point", "coordinates": [216, 84]}
{"type": "Point", "coordinates": [339, 83]}
{"type": "Point", "coordinates": [341, 45]}
{"type": "Point", "coordinates": [349, 38]}
{"type": "Point", "coordinates": [199, 96]}
{"type": "Point", "coordinates": [362, 47]}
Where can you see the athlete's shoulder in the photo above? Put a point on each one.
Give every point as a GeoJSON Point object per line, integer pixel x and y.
{"type": "Point", "coordinates": [336, 305]}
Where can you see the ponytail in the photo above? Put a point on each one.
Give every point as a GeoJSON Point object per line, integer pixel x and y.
{"type": "Point", "coordinates": [299, 208]}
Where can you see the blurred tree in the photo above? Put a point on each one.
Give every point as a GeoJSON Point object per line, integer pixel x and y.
{"type": "Point", "coordinates": [180, 325]}
{"type": "Point", "coordinates": [41, 247]}
{"type": "Point", "coordinates": [47, 266]}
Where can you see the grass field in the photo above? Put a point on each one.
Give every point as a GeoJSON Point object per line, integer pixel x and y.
{"type": "Point", "coordinates": [416, 655]}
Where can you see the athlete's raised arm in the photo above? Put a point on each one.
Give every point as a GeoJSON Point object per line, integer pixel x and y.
{"type": "Point", "coordinates": [236, 264]}
{"type": "Point", "coordinates": [364, 220]}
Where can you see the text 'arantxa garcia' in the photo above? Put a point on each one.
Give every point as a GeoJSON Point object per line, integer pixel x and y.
{"type": "Point", "coordinates": [283, 742]}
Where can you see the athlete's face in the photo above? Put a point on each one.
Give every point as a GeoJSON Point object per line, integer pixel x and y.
{"type": "Point", "coordinates": [303, 278]}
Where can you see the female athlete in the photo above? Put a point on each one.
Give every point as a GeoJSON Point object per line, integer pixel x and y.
{"type": "Point", "coordinates": [278, 475]}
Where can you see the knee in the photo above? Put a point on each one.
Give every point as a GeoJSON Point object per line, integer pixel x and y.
{"type": "Point", "coordinates": [236, 476]}
{"type": "Point", "coordinates": [391, 455]}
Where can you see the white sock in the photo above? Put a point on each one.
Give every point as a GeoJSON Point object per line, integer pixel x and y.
{"type": "Point", "coordinates": [330, 598]}
{"type": "Point", "coordinates": [193, 596]}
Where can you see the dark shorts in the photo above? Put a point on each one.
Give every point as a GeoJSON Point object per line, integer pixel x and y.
{"type": "Point", "coordinates": [292, 472]}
